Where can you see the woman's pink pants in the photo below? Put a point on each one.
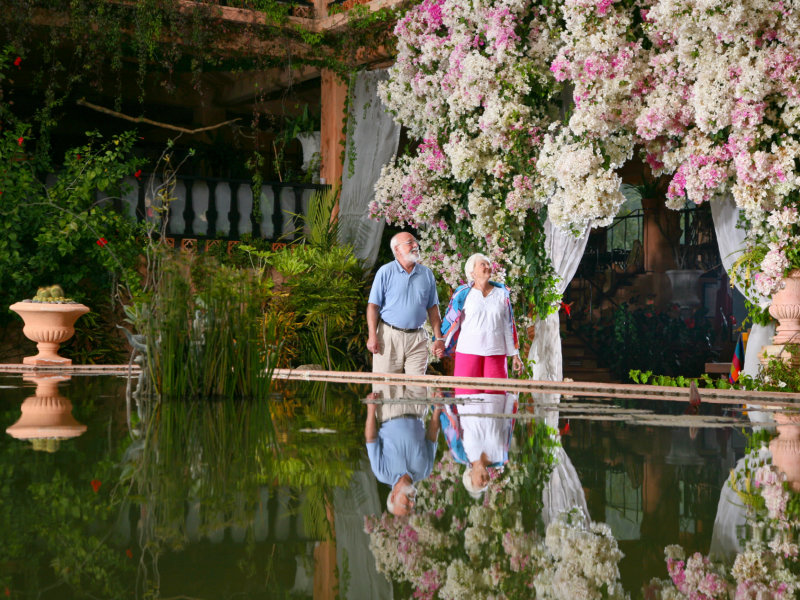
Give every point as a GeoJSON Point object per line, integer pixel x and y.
{"type": "Point", "coordinates": [472, 365]}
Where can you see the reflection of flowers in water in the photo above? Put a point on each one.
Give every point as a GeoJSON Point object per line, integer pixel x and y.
{"type": "Point", "coordinates": [455, 547]}
{"type": "Point", "coordinates": [767, 567]}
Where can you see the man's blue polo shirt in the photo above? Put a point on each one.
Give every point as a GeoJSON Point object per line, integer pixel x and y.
{"type": "Point", "coordinates": [404, 298]}
{"type": "Point", "coordinates": [401, 448]}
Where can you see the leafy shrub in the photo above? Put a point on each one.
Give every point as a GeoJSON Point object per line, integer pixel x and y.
{"type": "Point", "coordinates": [650, 340]}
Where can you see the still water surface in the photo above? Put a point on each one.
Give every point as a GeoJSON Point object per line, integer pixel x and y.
{"type": "Point", "coordinates": [204, 500]}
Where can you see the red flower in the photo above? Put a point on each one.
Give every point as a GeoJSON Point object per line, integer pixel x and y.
{"type": "Point", "coordinates": [78, 156]}
{"type": "Point", "coordinates": [567, 308]}
{"type": "Point", "coordinates": [18, 62]}
{"type": "Point", "coordinates": [102, 242]}
{"type": "Point", "coordinates": [20, 140]}
{"type": "Point", "coordinates": [138, 174]}
{"type": "Point", "coordinates": [96, 483]}
{"type": "Point", "coordinates": [565, 429]}
{"type": "Point", "coordinates": [7, 592]}
{"type": "Point", "coordinates": [128, 553]}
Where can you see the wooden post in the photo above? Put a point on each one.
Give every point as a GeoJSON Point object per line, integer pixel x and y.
{"type": "Point", "coordinates": [326, 573]}
{"type": "Point", "coordinates": [334, 94]}
{"type": "Point", "coordinates": [660, 224]}
{"type": "Point", "coordinates": [320, 9]}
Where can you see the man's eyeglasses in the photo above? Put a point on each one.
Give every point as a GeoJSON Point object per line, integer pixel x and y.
{"type": "Point", "coordinates": [408, 243]}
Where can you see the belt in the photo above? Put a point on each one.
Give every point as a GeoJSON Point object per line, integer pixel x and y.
{"type": "Point", "coordinates": [415, 330]}
{"type": "Point", "coordinates": [405, 416]}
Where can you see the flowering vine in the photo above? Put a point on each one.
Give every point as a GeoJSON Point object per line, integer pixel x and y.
{"type": "Point", "coordinates": [472, 81]}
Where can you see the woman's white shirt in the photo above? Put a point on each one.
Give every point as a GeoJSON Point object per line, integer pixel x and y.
{"type": "Point", "coordinates": [486, 328]}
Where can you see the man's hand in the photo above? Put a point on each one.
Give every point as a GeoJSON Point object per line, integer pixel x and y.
{"type": "Point", "coordinates": [438, 348]}
{"type": "Point", "coordinates": [373, 344]}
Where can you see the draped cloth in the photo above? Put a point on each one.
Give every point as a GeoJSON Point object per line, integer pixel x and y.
{"type": "Point", "coordinates": [374, 140]}
{"type": "Point", "coordinates": [565, 252]}
{"type": "Point", "coordinates": [731, 245]}
{"type": "Point", "coordinates": [731, 511]}
{"type": "Point", "coordinates": [563, 491]}
{"type": "Point", "coordinates": [350, 506]}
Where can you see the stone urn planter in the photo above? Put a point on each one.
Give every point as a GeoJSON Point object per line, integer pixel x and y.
{"type": "Point", "coordinates": [49, 324]}
{"type": "Point", "coordinates": [785, 307]}
{"type": "Point", "coordinates": [785, 448]}
{"type": "Point", "coordinates": [685, 287]}
{"type": "Point", "coordinates": [310, 143]}
{"type": "Point", "coordinates": [47, 416]}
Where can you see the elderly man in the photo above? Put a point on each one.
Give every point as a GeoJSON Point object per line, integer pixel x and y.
{"type": "Point", "coordinates": [403, 296]}
{"type": "Point", "coordinates": [400, 454]}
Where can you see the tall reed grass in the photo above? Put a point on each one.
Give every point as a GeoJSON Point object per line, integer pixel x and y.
{"type": "Point", "coordinates": [205, 330]}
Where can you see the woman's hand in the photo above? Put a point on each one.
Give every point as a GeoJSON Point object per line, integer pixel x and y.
{"type": "Point", "coordinates": [517, 365]}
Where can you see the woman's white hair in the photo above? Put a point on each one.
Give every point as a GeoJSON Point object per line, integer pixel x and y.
{"type": "Point", "coordinates": [469, 266]}
{"type": "Point", "coordinates": [473, 491]}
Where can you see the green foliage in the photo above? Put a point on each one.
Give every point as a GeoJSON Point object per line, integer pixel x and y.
{"type": "Point", "coordinates": [56, 529]}
{"type": "Point", "coordinates": [97, 339]}
{"type": "Point", "coordinates": [645, 339]}
{"type": "Point", "coordinates": [204, 330]}
{"type": "Point", "coordinates": [777, 376]}
{"type": "Point", "coordinates": [317, 293]}
{"type": "Point", "coordinates": [782, 375]}
{"type": "Point", "coordinates": [67, 230]}
{"type": "Point", "coordinates": [212, 452]}
{"type": "Point", "coordinates": [62, 232]}
{"type": "Point", "coordinates": [538, 459]}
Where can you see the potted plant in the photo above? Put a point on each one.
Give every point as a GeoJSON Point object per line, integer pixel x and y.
{"type": "Point", "coordinates": [671, 247]}
{"type": "Point", "coordinates": [305, 128]}
{"type": "Point", "coordinates": [46, 416]}
{"type": "Point", "coordinates": [769, 270]}
{"type": "Point", "coordinates": [49, 321]}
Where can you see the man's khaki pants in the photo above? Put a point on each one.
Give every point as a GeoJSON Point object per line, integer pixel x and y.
{"type": "Point", "coordinates": [400, 353]}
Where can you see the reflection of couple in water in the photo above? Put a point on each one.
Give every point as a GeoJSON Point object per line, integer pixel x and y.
{"type": "Point", "coordinates": [479, 328]}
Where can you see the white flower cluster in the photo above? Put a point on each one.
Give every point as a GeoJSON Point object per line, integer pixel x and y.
{"type": "Point", "coordinates": [472, 81]}
{"type": "Point", "coordinates": [766, 567]}
{"type": "Point", "coordinates": [579, 189]}
{"type": "Point", "coordinates": [709, 91]}
{"type": "Point", "coordinates": [578, 562]}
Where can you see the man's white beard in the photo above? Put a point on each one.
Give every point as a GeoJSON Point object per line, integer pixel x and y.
{"type": "Point", "coordinates": [413, 257]}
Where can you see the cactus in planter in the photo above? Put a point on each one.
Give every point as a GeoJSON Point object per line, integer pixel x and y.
{"type": "Point", "coordinates": [53, 294]}
{"type": "Point", "coordinates": [49, 320]}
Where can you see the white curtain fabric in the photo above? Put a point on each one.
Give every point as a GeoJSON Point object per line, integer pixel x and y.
{"type": "Point", "coordinates": [351, 505]}
{"type": "Point", "coordinates": [731, 245]}
{"type": "Point", "coordinates": [374, 139]}
{"type": "Point", "coordinates": [563, 490]}
{"type": "Point", "coordinates": [565, 252]}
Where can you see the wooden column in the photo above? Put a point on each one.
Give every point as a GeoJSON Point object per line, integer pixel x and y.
{"type": "Point", "coordinates": [334, 93]}
{"type": "Point", "coordinates": [661, 230]}
{"type": "Point", "coordinates": [326, 573]}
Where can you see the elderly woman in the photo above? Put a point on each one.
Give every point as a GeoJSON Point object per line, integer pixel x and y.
{"type": "Point", "coordinates": [479, 326]}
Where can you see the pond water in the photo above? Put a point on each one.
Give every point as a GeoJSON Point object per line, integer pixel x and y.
{"type": "Point", "coordinates": [233, 499]}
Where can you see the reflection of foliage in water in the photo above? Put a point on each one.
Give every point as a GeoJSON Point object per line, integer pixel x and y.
{"type": "Point", "coordinates": [56, 515]}
{"type": "Point", "coordinates": [457, 547]}
{"type": "Point", "coordinates": [767, 565]}
{"type": "Point", "coordinates": [220, 455]}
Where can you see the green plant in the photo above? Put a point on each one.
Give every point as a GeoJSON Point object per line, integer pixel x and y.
{"type": "Point", "coordinates": [646, 339]}
{"type": "Point", "coordinates": [204, 330]}
{"type": "Point", "coordinates": [317, 291]}
{"type": "Point", "coordinates": [303, 123]}
{"type": "Point", "coordinates": [53, 293]}
{"type": "Point", "coordinates": [777, 376]}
